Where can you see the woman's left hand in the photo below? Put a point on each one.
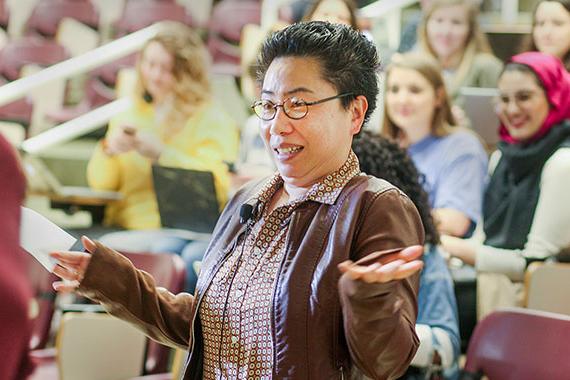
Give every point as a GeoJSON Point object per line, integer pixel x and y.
{"type": "Point", "coordinates": [148, 145]}
{"type": "Point", "coordinates": [399, 266]}
{"type": "Point", "coordinates": [459, 248]}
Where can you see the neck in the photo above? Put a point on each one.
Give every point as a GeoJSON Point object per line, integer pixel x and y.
{"type": "Point", "coordinates": [415, 134]}
{"type": "Point", "coordinates": [292, 192]}
{"type": "Point", "coordinates": [452, 61]}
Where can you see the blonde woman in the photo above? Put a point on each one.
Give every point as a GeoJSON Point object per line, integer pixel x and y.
{"type": "Point", "coordinates": [173, 122]}
{"type": "Point", "coordinates": [452, 160]}
{"type": "Point", "coordinates": [450, 33]}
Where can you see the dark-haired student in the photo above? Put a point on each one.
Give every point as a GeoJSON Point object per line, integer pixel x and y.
{"type": "Point", "coordinates": [15, 292]}
{"type": "Point", "coordinates": [318, 276]}
{"type": "Point", "coordinates": [437, 325]}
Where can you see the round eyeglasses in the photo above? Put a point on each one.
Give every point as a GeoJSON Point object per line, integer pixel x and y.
{"type": "Point", "coordinates": [292, 107]}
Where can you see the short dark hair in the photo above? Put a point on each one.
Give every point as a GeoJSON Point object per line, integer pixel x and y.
{"type": "Point", "coordinates": [348, 60]}
{"type": "Point", "coordinates": [384, 159]}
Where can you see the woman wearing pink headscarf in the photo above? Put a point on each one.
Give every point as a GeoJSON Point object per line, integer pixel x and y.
{"type": "Point", "coordinates": [526, 213]}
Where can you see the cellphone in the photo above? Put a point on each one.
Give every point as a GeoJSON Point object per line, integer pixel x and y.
{"type": "Point", "coordinates": [129, 131]}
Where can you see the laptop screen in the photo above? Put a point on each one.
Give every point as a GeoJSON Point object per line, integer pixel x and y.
{"type": "Point", "coordinates": [479, 108]}
{"type": "Point", "coordinates": [186, 199]}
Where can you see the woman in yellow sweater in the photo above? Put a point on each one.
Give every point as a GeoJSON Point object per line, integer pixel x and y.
{"type": "Point", "coordinates": [173, 122]}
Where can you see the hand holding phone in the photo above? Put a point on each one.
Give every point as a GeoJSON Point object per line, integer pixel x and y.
{"type": "Point", "coordinates": [120, 140]}
{"type": "Point", "coordinates": [129, 130]}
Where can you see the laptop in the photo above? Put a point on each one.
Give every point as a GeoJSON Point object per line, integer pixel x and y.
{"type": "Point", "coordinates": [186, 199]}
{"type": "Point", "coordinates": [480, 109]}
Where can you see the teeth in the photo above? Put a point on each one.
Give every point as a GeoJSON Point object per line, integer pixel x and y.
{"type": "Point", "coordinates": [289, 150]}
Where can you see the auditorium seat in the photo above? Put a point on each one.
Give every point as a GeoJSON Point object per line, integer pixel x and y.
{"type": "Point", "coordinates": [519, 344]}
{"type": "Point", "coordinates": [47, 15]}
{"type": "Point", "coordinates": [139, 14]}
{"type": "Point", "coordinates": [227, 21]}
{"type": "Point", "coordinates": [168, 271]}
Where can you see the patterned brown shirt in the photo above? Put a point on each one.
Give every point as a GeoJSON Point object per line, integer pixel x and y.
{"type": "Point", "coordinates": [236, 309]}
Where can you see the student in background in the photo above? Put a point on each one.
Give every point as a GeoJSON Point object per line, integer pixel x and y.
{"type": "Point", "coordinates": [173, 122]}
{"type": "Point", "coordinates": [417, 115]}
{"type": "Point", "coordinates": [437, 325]}
{"type": "Point", "coordinates": [15, 292]}
{"type": "Point", "coordinates": [450, 33]}
{"type": "Point", "coordinates": [551, 30]}
{"type": "Point", "coordinates": [409, 37]}
{"type": "Point", "coordinates": [526, 213]}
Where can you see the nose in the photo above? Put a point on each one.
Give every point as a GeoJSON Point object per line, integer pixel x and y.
{"type": "Point", "coordinates": [511, 107]}
{"type": "Point", "coordinates": [155, 73]}
{"type": "Point", "coordinates": [281, 123]}
{"type": "Point", "coordinates": [446, 29]}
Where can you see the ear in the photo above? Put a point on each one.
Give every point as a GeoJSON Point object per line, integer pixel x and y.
{"type": "Point", "coordinates": [358, 109]}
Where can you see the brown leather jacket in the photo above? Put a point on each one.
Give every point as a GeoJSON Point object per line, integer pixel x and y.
{"type": "Point", "coordinates": [324, 326]}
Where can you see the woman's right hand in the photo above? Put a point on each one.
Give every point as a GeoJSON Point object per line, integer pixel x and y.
{"type": "Point", "coordinates": [121, 140]}
{"type": "Point", "coordinates": [71, 266]}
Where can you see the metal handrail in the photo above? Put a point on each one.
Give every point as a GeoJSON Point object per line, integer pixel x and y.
{"type": "Point", "coordinates": [383, 7]}
{"type": "Point", "coordinates": [83, 63]}
{"type": "Point", "coordinates": [79, 126]}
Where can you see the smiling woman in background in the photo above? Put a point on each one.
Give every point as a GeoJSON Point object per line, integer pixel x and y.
{"type": "Point", "coordinates": [450, 33]}
{"type": "Point", "coordinates": [526, 213]}
{"type": "Point", "coordinates": [173, 122]}
{"type": "Point", "coordinates": [418, 116]}
{"type": "Point", "coordinates": [551, 30]}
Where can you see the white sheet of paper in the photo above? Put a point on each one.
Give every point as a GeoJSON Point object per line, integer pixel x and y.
{"type": "Point", "coordinates": [39, 236]}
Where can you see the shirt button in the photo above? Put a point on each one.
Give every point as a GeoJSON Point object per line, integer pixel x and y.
{"type": "Point", "coordinates": [234, 339]}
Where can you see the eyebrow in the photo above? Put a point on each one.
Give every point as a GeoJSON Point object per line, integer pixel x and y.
{"type": "Point", "coordinates": [290, 92]}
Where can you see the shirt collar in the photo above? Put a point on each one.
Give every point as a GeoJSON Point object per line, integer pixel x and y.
{"type": "Point", "coordinates": [324, 191]}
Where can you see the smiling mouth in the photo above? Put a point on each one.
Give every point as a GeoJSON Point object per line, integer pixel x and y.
{"type": "Point", "coordinates": [289, 150]}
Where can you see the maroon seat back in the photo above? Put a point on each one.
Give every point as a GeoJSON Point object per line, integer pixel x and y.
{"type": "Point", "coordinates": [18, 53]}
{"type": "Point", "coordinates": [41, 283]}
{"type": "Point", "coordinates": [228, 19]}
{"type": "Point", "coordinates": [4, 15]}
{"type": "Point", "coordinates": [139, 14]}
{"type": "Point", "coordinates": [519, 344]}
{"type": "Point", "coordinates": [168, 271]}
{"type": "Point", "coordinates": [47, 15]}
{"type": "Point", "coordinates": [29, 50]}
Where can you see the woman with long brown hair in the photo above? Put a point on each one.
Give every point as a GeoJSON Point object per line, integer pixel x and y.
{"type": "Point", "coordinates": [417, 114]}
